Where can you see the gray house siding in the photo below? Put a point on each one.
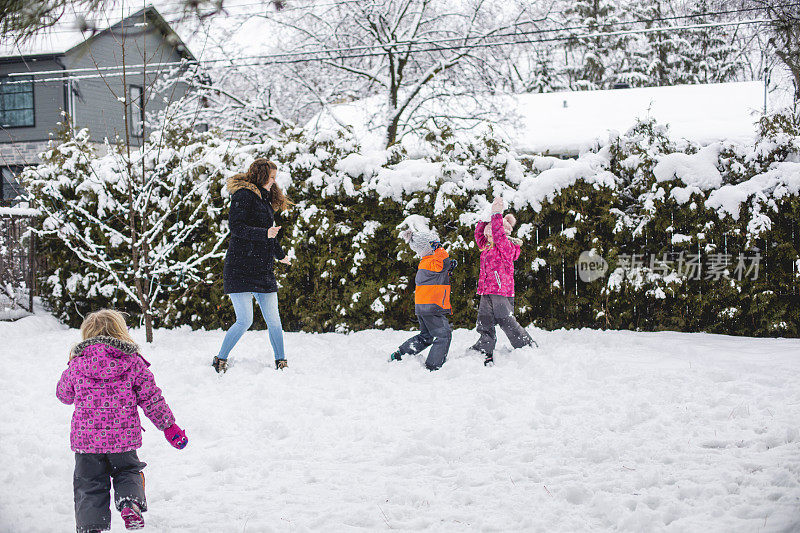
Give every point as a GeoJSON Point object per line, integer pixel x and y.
{"type": "Point", "coordinates": [96, 102]}
{"type": "Point", "coordinates": [92, 102]}
{"type": "Point", "coordinates": [48, 101]}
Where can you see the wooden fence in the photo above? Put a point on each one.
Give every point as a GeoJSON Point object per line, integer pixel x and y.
{"type": "Point", "coordinates": [18, 262]}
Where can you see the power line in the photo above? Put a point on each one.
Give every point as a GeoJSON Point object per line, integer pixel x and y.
{"type": "Point", "coordinates": [269, 60]}
{"type": "Point", "coordinates": [303, 53]}
{"type": "Point", "coordinates": [551, 30]}
{"type": "Point", "coordinates": [320, 57]}
{"type": "Point", "coordinates": [415, 43]}
{"type": "Point", "coordinates": [618, 23]}
{"type": "Point", "coordinates": [191, 15]}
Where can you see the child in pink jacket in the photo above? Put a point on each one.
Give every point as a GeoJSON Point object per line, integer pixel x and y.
{"type": "Point", "coordinates": [496, 283]}
{"type": "Point", "coordinates": [108, 381]}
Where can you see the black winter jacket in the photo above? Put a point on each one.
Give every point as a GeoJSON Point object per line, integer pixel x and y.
{"type": "Point", "coordinates": [251, 255]}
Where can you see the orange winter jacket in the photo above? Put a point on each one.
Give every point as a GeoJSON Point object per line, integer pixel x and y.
{"type": "Point", "coordinates": [432, 296]}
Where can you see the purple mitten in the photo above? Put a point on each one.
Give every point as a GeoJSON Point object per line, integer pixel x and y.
{"type": "Point", "coordinates": [176, 436]}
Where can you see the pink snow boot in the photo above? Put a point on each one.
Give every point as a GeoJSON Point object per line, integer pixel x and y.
{"type": "Point", "coordinates": [132, 516]}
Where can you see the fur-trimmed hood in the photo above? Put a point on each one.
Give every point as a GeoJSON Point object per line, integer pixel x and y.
{"type": "Point", "coordinates": [104, 357]}
{"type": "Point", "coordinates": [119, 344]}
{"type": "Point", "coordinates": [238, 182]}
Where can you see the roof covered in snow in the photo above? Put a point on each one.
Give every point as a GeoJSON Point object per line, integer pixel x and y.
{"type": "Point", "coordinates": [567, 123]}
{"type": "Point", "coordinates": [62, 38]}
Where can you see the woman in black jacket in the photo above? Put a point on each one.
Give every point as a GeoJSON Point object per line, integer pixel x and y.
{"type": "Point", "coordinates": [252, 252]}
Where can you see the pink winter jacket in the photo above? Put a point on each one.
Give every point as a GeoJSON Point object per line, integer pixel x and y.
{"type": "Point", "coordinates": [497, 263]}
{"type": "Point", "coordinates": [107, 380]}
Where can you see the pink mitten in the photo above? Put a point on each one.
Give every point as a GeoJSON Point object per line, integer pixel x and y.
{"type": "Point", "coordinates": [176, 436]}
{"type": "Point", "coordinates": [498, 205]}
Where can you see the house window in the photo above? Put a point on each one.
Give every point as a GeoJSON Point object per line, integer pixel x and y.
{"type": "Point", "coordinates": [137, 111]}
{"type": "Point", "coordinates": [16, 102]}
{"type": "Point", "coordinates": [10, 188]}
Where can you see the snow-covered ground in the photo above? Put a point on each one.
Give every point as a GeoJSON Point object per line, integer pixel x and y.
{"type": "Point", "coordinates": [594, 431]}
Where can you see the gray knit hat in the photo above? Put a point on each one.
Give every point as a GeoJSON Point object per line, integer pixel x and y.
{"type": "Point", "coordinates": [422, 242]}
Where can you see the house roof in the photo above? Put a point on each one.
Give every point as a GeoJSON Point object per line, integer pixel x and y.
{"type": "Point", "coordinates": [61, 39]}
{"type": "Point", "coordinates": [566, 123]}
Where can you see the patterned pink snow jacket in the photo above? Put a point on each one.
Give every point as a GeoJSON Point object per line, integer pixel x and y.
{"type": "Point", "coordinates": [497, 263]}
{"type": "Point", "coordinates": [107, 380]}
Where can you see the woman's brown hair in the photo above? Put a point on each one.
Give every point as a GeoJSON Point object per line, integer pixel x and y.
{"type": "Point", "coordinates": [258, 174]}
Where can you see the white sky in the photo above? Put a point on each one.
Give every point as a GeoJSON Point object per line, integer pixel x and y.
{"type": "Point", "coordinates": [224, 34]}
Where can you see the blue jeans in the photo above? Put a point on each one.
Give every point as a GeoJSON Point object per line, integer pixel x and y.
{"type": "Point", "coordinates": [243, 306]}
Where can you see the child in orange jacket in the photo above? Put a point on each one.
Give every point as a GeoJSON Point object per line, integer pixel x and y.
{"type": "Point", "coordinates": [431, 299]}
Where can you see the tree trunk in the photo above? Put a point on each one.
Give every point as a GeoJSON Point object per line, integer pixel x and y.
{"type": "Point", "coordinates": [137, 249]}
{"type": "Point", "coordinates": [794, 67]}
{"type": "Point", "coordinates": [394, 90]}
{"type": "Point", "coordinates": [391, 131]}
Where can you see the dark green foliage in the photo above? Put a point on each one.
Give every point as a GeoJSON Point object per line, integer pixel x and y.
{"type": "Point", "coordinates": [350, 270]}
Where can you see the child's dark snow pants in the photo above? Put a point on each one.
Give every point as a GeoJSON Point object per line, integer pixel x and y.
{"type": "Point", "coordinates": [94, 473]}
{"type": "Point", "coordinates": [434, 330]}
{"type": "Point", "coordinates": [498, 310]}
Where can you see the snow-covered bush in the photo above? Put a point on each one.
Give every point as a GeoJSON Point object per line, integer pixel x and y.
{"type": "Point", "coordinates": [653, 209]}
{"type": "Point", "coordinates": [141, 232]}
{"type": "Point", "coordinates": [716, 206]}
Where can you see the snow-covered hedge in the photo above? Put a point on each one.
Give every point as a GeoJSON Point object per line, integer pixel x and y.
{"type": "Point", "coordinates": [653, 209]}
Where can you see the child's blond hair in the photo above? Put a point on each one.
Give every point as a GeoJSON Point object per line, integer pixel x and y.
{"type": "Point", "coordinates": [105, 323]}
